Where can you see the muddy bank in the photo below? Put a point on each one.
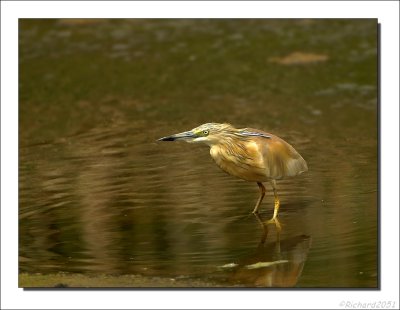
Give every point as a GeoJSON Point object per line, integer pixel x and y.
{"type": "Point", "coordinates": [73, 280]}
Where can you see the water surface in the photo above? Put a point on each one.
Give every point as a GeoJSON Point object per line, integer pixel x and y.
{"type": "Point", "coordinates": [99, 195]}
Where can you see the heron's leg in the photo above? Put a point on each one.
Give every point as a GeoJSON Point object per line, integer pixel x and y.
{"type": "Point", "coordinates": [264, 227]}
{"type": "Point", "coordinates": [276, 204]}
{"type": "Point", "coordinates": [262, 194]}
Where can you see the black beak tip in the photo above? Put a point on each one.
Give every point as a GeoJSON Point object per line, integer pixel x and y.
{"type": "Point", "coordinates": [166, 139]}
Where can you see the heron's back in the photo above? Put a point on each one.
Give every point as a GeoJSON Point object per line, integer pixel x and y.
{"type": "Point", "coordinates": [281, 159]}
{"type": "Point", "coordinates": [259, 159]}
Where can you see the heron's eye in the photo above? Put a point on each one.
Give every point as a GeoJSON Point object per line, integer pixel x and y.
{"type": "Point", "coordinates": [205, 132]}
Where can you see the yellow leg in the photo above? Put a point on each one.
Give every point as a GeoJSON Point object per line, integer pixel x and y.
{"type": "Point", "coordinates": [262, 194]}
{"type": "Point", "coordinates": [276, 204]}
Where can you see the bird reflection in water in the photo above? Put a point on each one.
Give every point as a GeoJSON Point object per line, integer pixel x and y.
{"type": "Point", "coordinates": [277, 263]}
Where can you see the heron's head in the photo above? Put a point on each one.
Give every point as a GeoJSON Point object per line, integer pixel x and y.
{"type": "Point", "coordinates": [210, 133]}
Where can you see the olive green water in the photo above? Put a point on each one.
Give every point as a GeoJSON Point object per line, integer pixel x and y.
{"type": "Point", "coordinates": [99, 195]}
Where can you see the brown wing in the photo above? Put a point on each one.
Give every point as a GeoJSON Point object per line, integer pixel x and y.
{"type": "Point", "coordinates": [279, 157]}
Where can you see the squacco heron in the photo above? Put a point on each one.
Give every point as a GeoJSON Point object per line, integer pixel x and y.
{"type": "Point", "coordinates": [249, 154]}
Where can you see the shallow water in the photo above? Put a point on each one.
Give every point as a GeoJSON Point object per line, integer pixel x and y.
{"type": "Point", "coordinates": [99, 194]}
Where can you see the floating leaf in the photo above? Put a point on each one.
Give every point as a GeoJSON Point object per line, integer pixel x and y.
{"type": "Point", "coordinates": [266, 264]}
{"type": "Point", "coordinates": [230, 265]}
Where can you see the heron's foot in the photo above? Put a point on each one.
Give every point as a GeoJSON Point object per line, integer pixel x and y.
{"type": "Point", "coordinates": [272, 220]}
{"type": "Point", "coordinates": [275, 221]}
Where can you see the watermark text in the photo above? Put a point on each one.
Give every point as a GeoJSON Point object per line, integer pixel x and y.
{"type": "Point", "coordinates": [382, 304]}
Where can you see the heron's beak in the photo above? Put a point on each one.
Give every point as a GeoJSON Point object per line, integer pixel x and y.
{"type": "Point", "coordinates": [187, 135]}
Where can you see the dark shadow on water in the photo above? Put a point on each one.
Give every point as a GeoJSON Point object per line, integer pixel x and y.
{"type": "Point", "coordinates": [274, 263]}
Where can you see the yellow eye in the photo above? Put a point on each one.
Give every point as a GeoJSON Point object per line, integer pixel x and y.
{"type": "Point", "coordinates": [205, 132]}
